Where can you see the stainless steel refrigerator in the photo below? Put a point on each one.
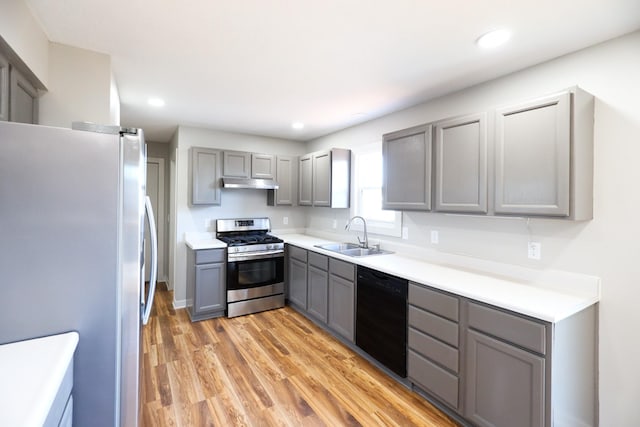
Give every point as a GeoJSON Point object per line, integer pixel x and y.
{"type": "Point", "coordinates": [72, 216]}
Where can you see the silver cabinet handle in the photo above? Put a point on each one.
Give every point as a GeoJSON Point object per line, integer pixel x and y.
{"type": "Point", "coordinates": [153, 274]}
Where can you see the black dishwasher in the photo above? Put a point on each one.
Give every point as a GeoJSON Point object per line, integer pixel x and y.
{"type": "Point", "coordinates": [381, 318]}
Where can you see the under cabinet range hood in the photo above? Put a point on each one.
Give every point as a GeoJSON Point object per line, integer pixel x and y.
{"type": "Point", "coordinates": [260, 184]}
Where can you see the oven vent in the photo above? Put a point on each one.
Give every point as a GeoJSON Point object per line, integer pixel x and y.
{"type": "Point", "coordinates": [260, 184]}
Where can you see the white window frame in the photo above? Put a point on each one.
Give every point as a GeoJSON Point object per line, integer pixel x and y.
{"type": "Point", "coordinates": [374, 226]}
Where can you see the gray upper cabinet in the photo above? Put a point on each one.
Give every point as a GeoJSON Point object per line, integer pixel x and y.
{"type": "Point", "coordinates": [263, 166]}
{"type": "Point", "coordinates": [205, 176]}
{"type": "Point", "coordinates": [406, 165]}
{"type": "Point", "coordinates": [4, 89]}
{"type": "Point", "coordinates": [325, 178]}
{"type": "Point", "coordinates": [461, 164]}
{"type": "Point", "coordinates": [23, 99]}
{"type": "Point", "coordinates": [236, 164]}
{"type": "Point", "coordinates": [18, 96]}
{"type": "Point", "coordinates": [533, 150]}
{"type": "Point", "coordinates": [322, 179]}
{"type": "Point", "coordinates": [544, 156]}
{"type": "Point", "coordinates": [287, 179]}
{"type": "Point", "coordinates": [306, 180]}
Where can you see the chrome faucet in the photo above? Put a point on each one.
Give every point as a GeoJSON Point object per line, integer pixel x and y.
{"type": "Point", "coordinates": [363, 243]}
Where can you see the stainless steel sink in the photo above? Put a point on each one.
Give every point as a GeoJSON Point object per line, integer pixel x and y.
{"type": "Point", "coordinates": [352, 249]}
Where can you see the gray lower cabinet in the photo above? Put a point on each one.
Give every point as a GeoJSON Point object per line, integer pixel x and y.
{"type": "Point", "coordinates": [318, 286]}
{"type": "Point", "coordinates": [206, 167]}
{"type": "Point", "coordinates": [297, 274]}
{"type": "Point", "coordinates": [341, 316]}
{"type": "Point", "coordinates": [406, 165]}
{"type": "Point", "coordinates": [525, 372]}
{"type": "Point", "coordinates": [461, 164]}
{"type": "Point", "coordinates": [505, 385]}
{"type": "Point", "coordinates": [287, 179]}
{"type": "Point", "coordinates": [544, 156]}
{"type": "Point", "coordinates": [206, 283]}
{"type": "Point", "coordinates": [433, 340]}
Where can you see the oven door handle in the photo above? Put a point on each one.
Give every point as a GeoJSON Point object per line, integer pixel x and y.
{"type": "Point", "coordinates": [262, 255]}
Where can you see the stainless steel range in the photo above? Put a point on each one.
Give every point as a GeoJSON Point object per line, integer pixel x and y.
{"type": "Point", "coordinates": [255, 265]}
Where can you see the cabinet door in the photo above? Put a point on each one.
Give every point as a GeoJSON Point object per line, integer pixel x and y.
{"type": "Point", "coordinates": [4, 89]}
{"type": "Point", "coordinates": [318, 293]}
{"type": "Point", "coordinates": [406, 169]}
{"type": "Point", "coordinates": [533, 147]}
{"type": "Point", "coordinates": [505, 385]}
{"type": "Point", "coordinates": [205, 176]}
{"type": "Point", "coordinates": [461, 164]}
{"type": "Point", "coordinates": [286, 179]}
{"type": "Point", "coordinates": [306, 180]}
{"type": "Point", "coordinates": [236, 164]}
{"type": "Point", "coordinates": [298, 283]}
{"type": "Point", "coordinates": [341, 306]}
{"type": "Point", "coordinates": [210, 288]}
{"type": "Point", "coordinates": [23, 99]}
{"type": "Point", "coordinates": [322, 179]}
{"type": "Point", "coordinates": [263, 166]}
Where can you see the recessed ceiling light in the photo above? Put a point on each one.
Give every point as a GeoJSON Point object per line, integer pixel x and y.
{"type": "Point", "coordinates": [494, 38]}
{"type": "Point", "coordinates": [297, 125]}
{"type": "Point", "coordinates": [156, 102]}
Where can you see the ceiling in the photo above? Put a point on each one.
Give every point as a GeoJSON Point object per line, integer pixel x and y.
{"type": "Point", "coordinates": [256, 66]}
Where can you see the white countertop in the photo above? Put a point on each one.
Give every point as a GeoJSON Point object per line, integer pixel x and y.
{"type": "Point", "coordinates": [541, 302]}
{"type": "Point", "coordinates": [31, 372]}
{"type": "Point", "coordinates": [538, 300]}
{"type": "Point", "coordinates": [199, 243]}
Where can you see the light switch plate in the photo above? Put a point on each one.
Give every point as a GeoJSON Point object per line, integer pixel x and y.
{"type": "Point", "coordinates": [285, 220]}
{"type": "Point", "coordinates": [405, 232]}
{"type": "Point", "coordinates": [435, 237]}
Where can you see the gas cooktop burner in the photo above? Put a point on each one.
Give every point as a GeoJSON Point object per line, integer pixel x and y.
{"type": "Point", "coordinates": [241, 239]}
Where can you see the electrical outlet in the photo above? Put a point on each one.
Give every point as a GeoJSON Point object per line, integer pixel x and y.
{"type": "Point", "coordinates": [405, 232]}
{"type": "Point", "coordinates": [285, 220]}
{"type": "Point", "coordinates": [435, 237]}
{"type": "Point", "coordinates": [535, 250]}
{"type": "Point", "coordinates": [335, 223]}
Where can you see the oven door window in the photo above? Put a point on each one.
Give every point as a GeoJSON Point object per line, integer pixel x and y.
{"type": "Point", "coordinates": [255, 273]}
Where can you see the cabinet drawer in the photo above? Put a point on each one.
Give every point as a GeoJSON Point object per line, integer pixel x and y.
{"type": "Point", "coordinates": [433, 379]}
{"type": "Point", "coordinates": [320, 261]}
{"type": "Point", "coordinates": [433, 301]}
{"type": "Point", "coordinates": [523, 332]}
{"type": "Point", "coordinates": [435, 350]}
{"type": "Point", "coordinates": [208, 256]}
{"type": "Point", "coordinates": [342, 269]}
{"type": "Point", "coordinates": [442, 329]}
{"type": "Point", "coordinates": [297, 253]}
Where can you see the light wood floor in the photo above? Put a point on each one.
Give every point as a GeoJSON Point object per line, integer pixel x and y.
{"type": "Point", "coordinates": [274, 368]}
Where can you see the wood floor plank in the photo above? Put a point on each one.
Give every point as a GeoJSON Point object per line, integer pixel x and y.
{"type": "Point", "coordinates": [275, 368]}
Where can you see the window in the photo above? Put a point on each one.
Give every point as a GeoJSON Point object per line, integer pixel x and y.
{"type": "Point", "coordinates": [368, 193]}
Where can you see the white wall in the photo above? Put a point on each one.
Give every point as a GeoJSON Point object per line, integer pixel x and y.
{"type": "Point", "coordinates": [80, 88]}
{"type": "Point", "coordinates": [23, 33]}
{"type": "Point", "coordinates": [606, 247]}
{"type": "Point", "coordinates": [235, 202]}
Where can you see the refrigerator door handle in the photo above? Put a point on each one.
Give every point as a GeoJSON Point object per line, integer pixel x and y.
{"type": "Point", "coordinates": [153, 274]}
